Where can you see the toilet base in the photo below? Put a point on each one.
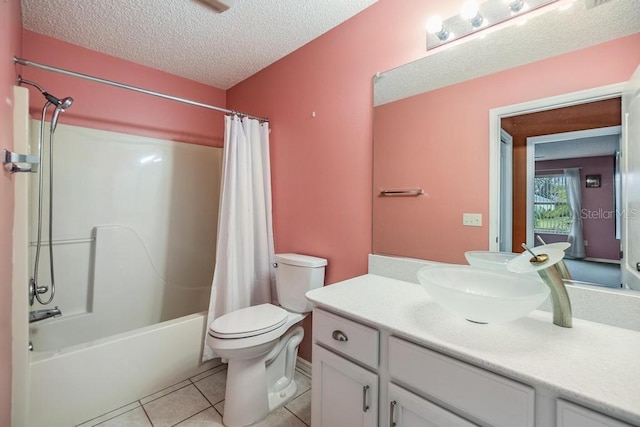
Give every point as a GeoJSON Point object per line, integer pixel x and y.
{"type": "Point", "coordinates": [280, 398]}
{"type": "Point", "coordinates": [252, 392]}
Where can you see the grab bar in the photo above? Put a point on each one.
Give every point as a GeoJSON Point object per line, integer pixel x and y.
{"type": "Point", "coordinates": [11, 160]}
{"type": "Point", "coordinates": [399, 193]}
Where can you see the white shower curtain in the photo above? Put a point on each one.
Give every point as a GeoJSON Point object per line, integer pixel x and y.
{"type": "Point", "coordinates": [574, 200]}
{"type": "Point", "coordinates": [244, 274]}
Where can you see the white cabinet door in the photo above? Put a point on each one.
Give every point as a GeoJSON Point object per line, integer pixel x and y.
{"type": "Point", "coordinates": [409, 410]}
{"type": "Point", "coordinates": [343, 394]}
{"type": "Point", "coordinates": [570, 415]}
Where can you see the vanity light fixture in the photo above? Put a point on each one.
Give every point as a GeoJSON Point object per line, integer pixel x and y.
{"type": "Point", "coordinates": [475, 17]}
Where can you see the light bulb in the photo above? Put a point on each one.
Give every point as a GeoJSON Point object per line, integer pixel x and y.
{"type": "Point", "coordinates": [434, 24]}
{"type": "Point", "coordinates": [469, 9]}
{"type": "Point", "coordinates": [470, 13]}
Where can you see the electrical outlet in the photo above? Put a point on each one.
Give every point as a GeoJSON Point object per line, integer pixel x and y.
{"type": "Point", "coordinates": [473, 220]}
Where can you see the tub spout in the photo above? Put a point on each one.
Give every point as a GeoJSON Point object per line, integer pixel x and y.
{"type": "Point", "coordinates": [37, 315]}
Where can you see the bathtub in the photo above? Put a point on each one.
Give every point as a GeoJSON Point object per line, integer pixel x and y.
{"type": "Point", "coordinates": [77, 383]}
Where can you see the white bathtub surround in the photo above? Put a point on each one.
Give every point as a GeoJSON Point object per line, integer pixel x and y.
{"type": "Point", "coordinates": [244, 274]}
{"type": "Point", "coordinates": [123, 201]}
{"type": "Point", "coordinates": [199, 400]}
{"type": "Point", "coordinates": [591, 364]}
{"type": "Point", "coordinates": [131, 250]}
{"type": "Point", "coordinates": [614, 307]}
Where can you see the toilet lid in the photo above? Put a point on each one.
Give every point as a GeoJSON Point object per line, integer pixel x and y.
{"type": "Point", "coordinates": [248, 322]}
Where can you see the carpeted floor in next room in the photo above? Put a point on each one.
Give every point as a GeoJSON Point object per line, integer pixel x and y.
{"type": "Point", "coordinates": [606, 274]}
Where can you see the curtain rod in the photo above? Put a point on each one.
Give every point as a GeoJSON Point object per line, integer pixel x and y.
{"type": "Point", "coordinates": [27, 63]}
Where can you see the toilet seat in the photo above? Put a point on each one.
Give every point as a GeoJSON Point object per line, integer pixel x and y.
{"type": "Point", "coordinates": [248, 322]}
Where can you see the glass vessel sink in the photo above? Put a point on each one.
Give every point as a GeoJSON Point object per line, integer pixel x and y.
{"type": "Point", "coordinates": [490, 260]}
{"type": "Point", "coordinates": [481, 295]}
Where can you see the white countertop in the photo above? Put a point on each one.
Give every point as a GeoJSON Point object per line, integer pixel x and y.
{"type": "Point", "coordinates": [592, 363]}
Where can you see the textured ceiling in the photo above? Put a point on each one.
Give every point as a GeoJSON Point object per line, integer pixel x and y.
{"type": "Point", "coordinates": [186, 38]}
{"type": "Point", "coordinates": [550, 34]}
{"type": "Point", "coordinates": [580, 147]}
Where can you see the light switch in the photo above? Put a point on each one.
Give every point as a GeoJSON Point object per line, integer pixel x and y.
{"type": "Point", "coordinates": [471, 219]}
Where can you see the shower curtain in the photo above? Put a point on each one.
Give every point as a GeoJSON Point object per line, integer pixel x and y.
{"type": "Point", "coordinates": [244, 274]}
{"type": "Point", "coordinates": [574, 200]}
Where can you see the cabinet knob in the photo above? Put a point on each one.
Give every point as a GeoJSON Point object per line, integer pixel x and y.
{"type": "Point", "coordinates": [339, 336]}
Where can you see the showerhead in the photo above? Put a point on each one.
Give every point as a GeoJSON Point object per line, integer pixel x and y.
{"type": "Point", "coordinates": [66, 102]}
{"type": "Point", "coordinates": [57, 102]}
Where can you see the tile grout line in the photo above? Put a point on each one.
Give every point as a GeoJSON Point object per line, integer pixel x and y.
{"type": "Point", "coordinates": [212, 371]}
{"type": "Point", "coordinates": [206, 398]}
{"type": "Point", "coordinates": [159, 391]}
{"type": "Point", "coordinates": [292, 413]}
{"type": "Point", "coordinates": [188, 418]}
{"type": "Point", "coordinates": [146, 414]}
{"type": "Point", "coordinates": [110, 418]}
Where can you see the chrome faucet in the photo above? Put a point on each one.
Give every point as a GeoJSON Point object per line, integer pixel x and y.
{"type": "Point", "coordinates": [37, 315]}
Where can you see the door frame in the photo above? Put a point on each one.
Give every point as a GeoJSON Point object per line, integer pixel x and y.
{"type": "Point", "coordinates": [496, 114]}
{"type": "Point", "coordinates": [532, 141]}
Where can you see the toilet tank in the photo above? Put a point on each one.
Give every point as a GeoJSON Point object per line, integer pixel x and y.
{"type": "Point", "coordinates": [297, 274]}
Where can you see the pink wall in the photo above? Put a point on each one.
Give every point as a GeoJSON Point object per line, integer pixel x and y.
{"type": "Point", "coordinates": [10, 45]}
{"type": "Point", "coordinates": [109, 108]}
{"type": "Point", "coordinates": [445, 149]}
{"type": "Point", "coordinates": [598, 219]}
{"type": "Point", "coordinates": [322, 166]}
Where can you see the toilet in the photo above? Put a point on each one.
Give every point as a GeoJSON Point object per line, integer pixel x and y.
{"type": "Point", "coordinates": [260, 343]}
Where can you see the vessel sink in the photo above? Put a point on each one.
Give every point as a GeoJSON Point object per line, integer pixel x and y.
{"type": "Point", "coordinates": [481, 295]}
{"type": "Point", "coordinates": [490, 260]}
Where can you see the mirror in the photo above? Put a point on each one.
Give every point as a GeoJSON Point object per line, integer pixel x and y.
{"type": "Point", "coordinates": [431, 127]}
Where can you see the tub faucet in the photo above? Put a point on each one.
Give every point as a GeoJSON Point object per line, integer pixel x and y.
{"type": "Point", "coordinates": [37, 315]}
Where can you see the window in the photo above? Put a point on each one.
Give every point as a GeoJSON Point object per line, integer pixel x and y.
{"type": "Point", "coordinates": [550, 210]}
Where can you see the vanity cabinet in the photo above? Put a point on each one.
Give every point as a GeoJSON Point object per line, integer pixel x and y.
{"type": "Point", "coordinates": [571, 415]}
{"type": "Point", "coordinates": [363, 376]}
{"type": "Point", "coordinates": [344, 393]}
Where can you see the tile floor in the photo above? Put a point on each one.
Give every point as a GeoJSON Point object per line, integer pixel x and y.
{"type": "Point", "coordinates": [199, 402]}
